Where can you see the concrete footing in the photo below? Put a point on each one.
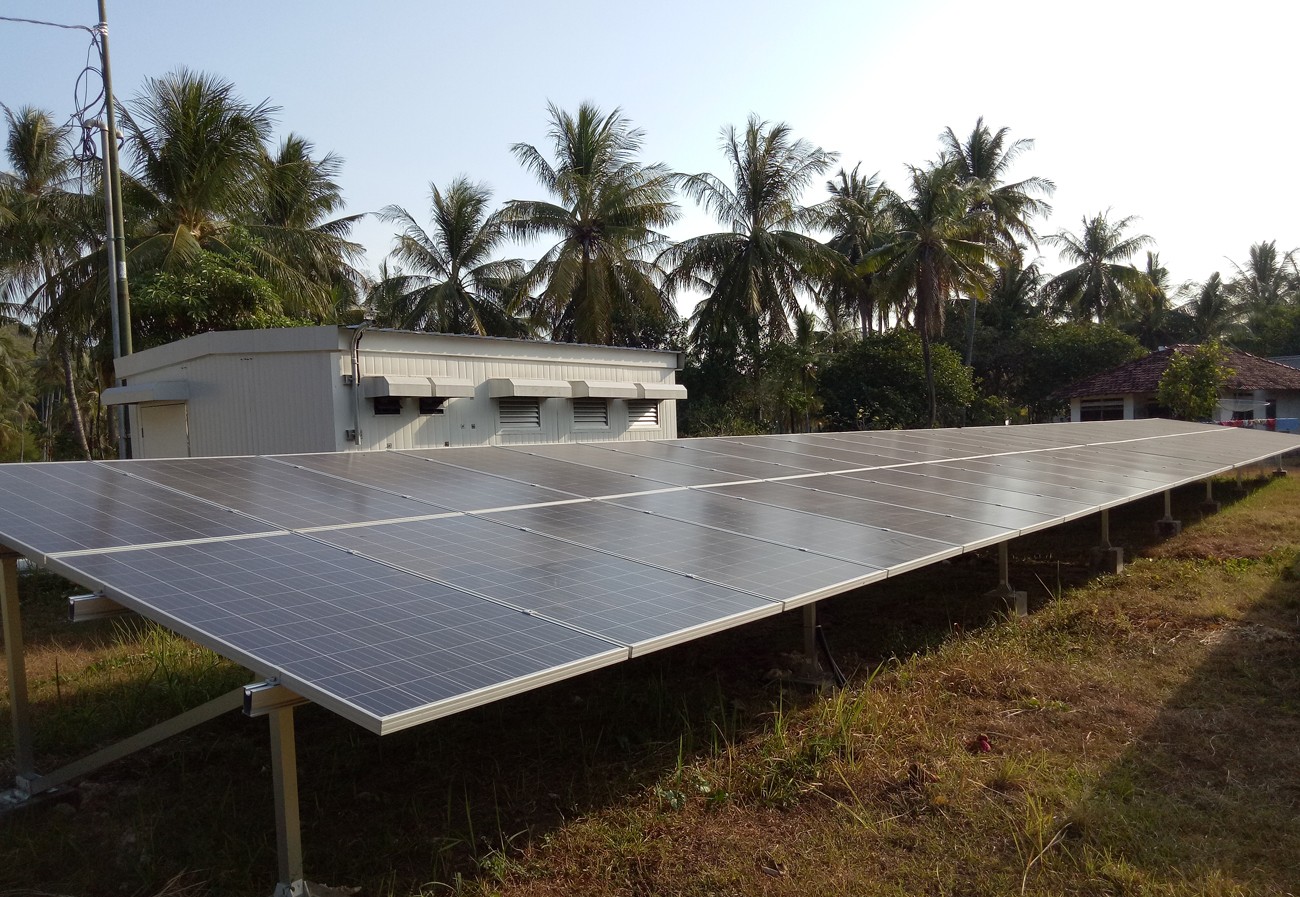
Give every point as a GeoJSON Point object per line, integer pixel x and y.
{"type": "Point", "coordinates": [1014, 600]}
{"type": "Point", "coordinates": [1168, 528]}
{"type": "Point", "coordinates": [1209, 506]}
{"type": "Point", "coordinates": [1108, 559]}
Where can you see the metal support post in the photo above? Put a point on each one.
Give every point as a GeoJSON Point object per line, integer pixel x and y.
{"type": "Point", "coordinates": [1209, 506]}
{"type": "Point", "coordinates": [810, 632]}
{"type": "Point", "coordinates": [16, 669]}
{"type": "Point", "coordinates": [1107, 558]}
{"type": "Point", "coordinates": [1167, 526]}
{"type": "Point", "coordinates": [1018, 600]}
{"type": "Point", "coordinates": [1279, 471]}
{"type": "Point", "coordinates": [284, 778]}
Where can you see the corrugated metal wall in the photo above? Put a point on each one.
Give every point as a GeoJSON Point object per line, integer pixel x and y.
{"type": "Point", "coordinates": [287, 395]}
{"type": "Point", "coordinates": [475, 421]}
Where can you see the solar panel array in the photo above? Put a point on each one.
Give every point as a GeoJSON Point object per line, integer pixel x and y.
{"type": "Point", "coordinates": [397, 587]}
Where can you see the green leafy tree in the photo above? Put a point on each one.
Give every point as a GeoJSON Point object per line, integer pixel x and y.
{"type": "Point", "coordinates": [607, 213]}
{"type": "Point", "coordinates": [880, 383]}
{"type": "Point", "coordinates": [446, 278]}
{"type": "Point", "coordinates": [752, 274]}
{"type": "Point", "coordinates": [858, 218]}
{"type": "Point", "coordinates": [1191, 385]}
{"type": "Point", "coordinates": [202, 183]}
{"type": "Point", "coordinates": [46, 230]}
{"type": "Point", "coordinates": [1269, 279]}
{"type": "Point", "coordinates": [1211, 312]}
{"type": "Point", "coordinates": [936, 252]}
{"type": "Point", "coordinates": [983, 161]}
{"type": "Point", "coordinates": [1053, 355]}
{"type": "Point", "coordinates": [1101, 282]}
{"type": "Point", "coordinates": [1150, 315]}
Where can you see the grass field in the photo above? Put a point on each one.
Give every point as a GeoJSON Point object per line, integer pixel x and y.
{"type": "Point", "coordinates": [1143, 734]}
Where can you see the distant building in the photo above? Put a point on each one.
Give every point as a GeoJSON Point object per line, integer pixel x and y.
{"type": "Point", "coordinates": [329, 389]}
{"type": "Point", "coordinates": [1257, 389]}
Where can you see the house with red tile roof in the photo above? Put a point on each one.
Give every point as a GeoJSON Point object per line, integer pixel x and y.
{"type": "Point", "coordinates": [1257, 388]}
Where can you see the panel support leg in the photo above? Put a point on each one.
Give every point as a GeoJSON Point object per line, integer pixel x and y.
{"type": "Point", "coordinates": [1167, 526]}
{"type": "Point", "coordinates": [1209, 506]}
{"type": "Point", "coordinates": [1107, 558]}
{"type": "Point", "coordinates": [16, 669]}
{"type": "Point", "coordinates": [1017, 600]}
{"type": "Point", "coordinates": [1279, 470]}
{"type": "Point", "coordinates": [806, 668]}
{"type": "Point", "coordinates": [284, 778]}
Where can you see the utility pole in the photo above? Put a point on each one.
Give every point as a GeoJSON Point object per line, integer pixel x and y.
{"type": "Point", "coordinates": [117, 276]}
{"type": "Point", "coordinates": [114, 173]}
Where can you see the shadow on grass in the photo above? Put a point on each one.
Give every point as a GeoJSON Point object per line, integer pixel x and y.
{"type": "Point", "coordinates": [1206, 797]}
{"type": "Point", "coordinates": [439, 801]}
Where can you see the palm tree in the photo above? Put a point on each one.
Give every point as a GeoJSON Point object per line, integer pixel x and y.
{"type": "Point", "coordinates": [1212, 311]}
{"type": "Point", "coordinates": [1100, 283]}
{"type": "Point", "coordinates": [753, 272]}
{"type": "Point", "coordinates": [45, 231]}
{"type": "Point", "coordinates": [298, 194]}
{"type": "Point", "coordinates": [983, 160]}
{"type": "Point", "coordinates": [203, 183]}
{"type": "Point", "coordinates": [453, 286]}
{"type": "Point", "coordinates": [937, 251]}
{"type": "Point", "coordinates": [607, 213]}
{"type": "Point", "coordinates": [1150, 317]}
{"type": "Point", "coordinates": [857, 215]}
{"type": "Point", "coordinates": [1267, 281]}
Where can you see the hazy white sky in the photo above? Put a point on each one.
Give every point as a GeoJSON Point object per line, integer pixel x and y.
{"type": "Point", "coordinates": [1179, 113]}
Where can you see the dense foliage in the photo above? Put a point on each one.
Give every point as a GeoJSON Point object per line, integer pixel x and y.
{"type": "Point", "coordinates": [864, 306]}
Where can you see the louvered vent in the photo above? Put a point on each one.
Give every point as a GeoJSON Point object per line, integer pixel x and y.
{"type": "Point", "coordinates": [520, 414]}
{"type": "Point", "coordinates": [642, 413]}
{"type": "Point", "coordinates": [591, 414]}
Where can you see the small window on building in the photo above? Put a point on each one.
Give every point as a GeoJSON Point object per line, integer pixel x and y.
{"type": "Point", "coordinates": [642, 412]}
{"type": "Point", "coordinates": [520, 414]}
{"type": "Point", "coordinates": [591, 414]}
{"type": "Point", "coordinates": [388, 404]}
{"type": "Point", "coordinates": [430, 405]}
{"type": "Point", "coordinates": [1101, 409]}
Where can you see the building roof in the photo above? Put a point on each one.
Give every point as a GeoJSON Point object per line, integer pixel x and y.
{"type": "Point", "coordinates": [1143, 375]}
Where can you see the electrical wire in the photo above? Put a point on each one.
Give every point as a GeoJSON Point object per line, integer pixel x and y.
{"type": "Point", "coordinates": [840, 679]}
{"type": "Point", "coordinates": [51, 24]}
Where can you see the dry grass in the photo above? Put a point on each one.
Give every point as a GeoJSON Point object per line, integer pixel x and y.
{"type": "Point", "coordinates": [1144, 734]}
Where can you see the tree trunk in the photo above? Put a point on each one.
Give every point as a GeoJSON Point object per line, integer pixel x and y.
{"type": "Point", "coordinates": [927, 300]}
{"type": "Point", "coordinates": [74, 406]}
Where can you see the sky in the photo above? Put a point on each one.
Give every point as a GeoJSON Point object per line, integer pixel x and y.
{"type": "Point", "coordinates": [1176, 113]}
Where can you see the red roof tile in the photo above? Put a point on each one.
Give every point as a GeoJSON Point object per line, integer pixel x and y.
{"type": "Point", "coordinates": [1143, 375]}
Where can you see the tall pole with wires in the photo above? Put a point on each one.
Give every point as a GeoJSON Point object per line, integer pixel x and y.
{"type": "Point", "coordinates": [114, 173]}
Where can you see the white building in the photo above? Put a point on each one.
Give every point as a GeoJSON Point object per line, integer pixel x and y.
{"type": "Point", "coordinates": [1257, 389]}
{"type": "Point", "coordinates": [327, 389]}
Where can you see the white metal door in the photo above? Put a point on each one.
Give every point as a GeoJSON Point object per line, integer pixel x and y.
{"type": "Point", "coordinates": [164, 431]}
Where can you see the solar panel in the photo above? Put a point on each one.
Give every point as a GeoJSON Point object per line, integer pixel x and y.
{"type": "Point", "coordinates": [421, 583]}
{"type": "Point", "coordinates": [588, 456]}
{"type": "Point", "coordinates": [626, 602]}
{"type": "Point", "coordinates": [80, 505]}
{"type": "Point", "coordinates": [381, 647]}
{"type": "Point", "coordinates": [441, 485]}
{"type": "Point", "coordinates": [998, 515]}
{"type": "Point", "coordinates": [975, 488]}
{"type": "Point", "coordinates": [525, 468]}
{"type": "Point", "coordinates": [280, 494]}
{"type": "Point", "coordinates": [865, 544]}
{"type": "Point", "coordinates": [739, 562]}
{"type": "Point", "coordinates": [729, 468]}
{"type": "Point", "coordinates": [894, 518]}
